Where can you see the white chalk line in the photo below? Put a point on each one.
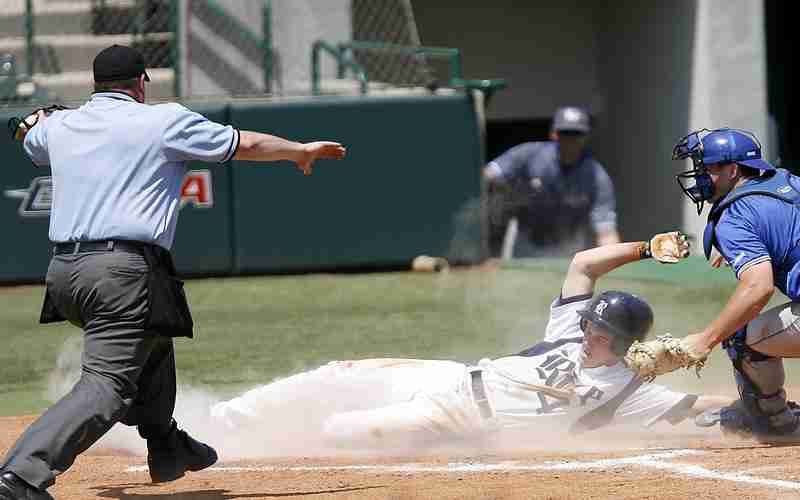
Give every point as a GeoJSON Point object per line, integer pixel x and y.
{"type": "Point", "coordinates": [654, 461]}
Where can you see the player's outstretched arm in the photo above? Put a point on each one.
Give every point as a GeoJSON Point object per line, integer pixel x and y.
{"type": "Point", "coordinates": [589, 265]}
{"type": "Point", "coordinates": [255, 146]}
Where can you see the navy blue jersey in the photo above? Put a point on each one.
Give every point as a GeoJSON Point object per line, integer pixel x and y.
{"type": "Point", "coordinates": [563, 204]}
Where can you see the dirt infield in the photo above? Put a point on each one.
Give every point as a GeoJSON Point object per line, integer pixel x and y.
{"type": "Point", "coordinates": [690, 465]}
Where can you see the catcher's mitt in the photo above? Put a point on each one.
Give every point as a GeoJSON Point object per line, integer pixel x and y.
{"type": "Point", "coordinates": [18, 127]}
{"type": "Point", "coordinates": [663, 355]}
{"type": "Point", "coordinates": [667, 248]}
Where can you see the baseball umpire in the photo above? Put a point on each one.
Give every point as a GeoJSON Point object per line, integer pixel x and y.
{"type": "Point", "coordinates": [117, 167]}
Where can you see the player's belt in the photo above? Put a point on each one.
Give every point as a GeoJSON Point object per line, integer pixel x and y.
{"type": "Point", "coordinates": [479, 394]}
{"type": "Point", "coordinates": [75, 247]}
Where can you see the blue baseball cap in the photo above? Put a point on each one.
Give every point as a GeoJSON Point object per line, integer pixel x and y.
{"type": "Point", "coordinates": [571, 119]}
{"type": "Point", "coordinates": [733, 145]}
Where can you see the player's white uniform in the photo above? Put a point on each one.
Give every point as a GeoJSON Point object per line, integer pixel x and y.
{"type": "Point", "coordinates": [392, 401]}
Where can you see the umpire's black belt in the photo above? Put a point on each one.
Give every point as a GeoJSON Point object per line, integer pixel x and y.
{"type": "Point", "coordinates": [75, 247]}
{"type": "Point", "coordinates": [479, 394]}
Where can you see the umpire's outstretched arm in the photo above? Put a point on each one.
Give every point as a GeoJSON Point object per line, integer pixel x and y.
{"type": "Point", "coordinates": [255, 146]}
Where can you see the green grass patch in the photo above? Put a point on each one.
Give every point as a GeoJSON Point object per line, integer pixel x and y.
{"type": "Point", "coordinates": [254, 329]}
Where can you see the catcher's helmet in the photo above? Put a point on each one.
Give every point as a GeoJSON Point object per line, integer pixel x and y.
{"type": "Point", "coordinates": [709, 147]}
{"type": "Point", "coordinates": [623, 315]}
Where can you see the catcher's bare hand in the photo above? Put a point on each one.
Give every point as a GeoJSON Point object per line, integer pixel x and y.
{"type": "Point", "coordinates": [669, 248]}
{"type": "Point", "coordinates": [663, 355]}
{"type": "Point", "coordinates": [321, 150]}
{"type": "Point", "coordinates": [717, 260]}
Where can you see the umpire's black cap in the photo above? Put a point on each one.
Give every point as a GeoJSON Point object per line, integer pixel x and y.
{"type": "Point", "coordinates": [118, 62]}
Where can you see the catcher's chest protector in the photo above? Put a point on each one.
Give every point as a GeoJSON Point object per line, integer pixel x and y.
{"type": "Point", "coordinates": [777, 184]}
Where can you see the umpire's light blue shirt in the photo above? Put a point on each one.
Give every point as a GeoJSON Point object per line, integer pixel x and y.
{"type": "Point", "coordinates": [118, 165]}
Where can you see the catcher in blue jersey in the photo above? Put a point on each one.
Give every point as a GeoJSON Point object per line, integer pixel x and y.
{"type": "Point", "coordinates": [754, 226]}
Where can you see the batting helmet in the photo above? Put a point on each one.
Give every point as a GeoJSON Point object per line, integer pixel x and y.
{"type": "Point", "coordinates": [709, 147]}
{"type": "Point", "coordinates": [625, 316]}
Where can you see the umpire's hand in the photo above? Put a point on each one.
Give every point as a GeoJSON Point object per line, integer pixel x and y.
{"type": "Point", "coordinates": [321, 150]}
{"type": "Point", "coordinates": [255, 146]}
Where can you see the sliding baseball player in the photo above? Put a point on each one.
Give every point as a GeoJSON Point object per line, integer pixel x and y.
{"type": "Point", "coordinates": [575, 380]}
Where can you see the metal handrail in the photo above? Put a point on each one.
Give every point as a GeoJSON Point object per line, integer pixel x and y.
{"type": "Point", "coordinates": [343, 53]}
{"type": "Point", "coordinates": [487, 86]}
{"type": "Point", "coordinates": [29, 27]}
{"type": "Point", "coordinates": [342, 63]}
{"type": "Point", "coordinates": [175, 53]}
{"type": "Point", "coordinates": [264, 43]}
{"type": "Point", "coordinates": [451, 53]}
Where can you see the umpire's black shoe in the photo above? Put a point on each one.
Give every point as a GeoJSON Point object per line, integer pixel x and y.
{"type": "Point", "coordinates": [170, 458]}
{"type": "Point", "coordinates": [14, 488]}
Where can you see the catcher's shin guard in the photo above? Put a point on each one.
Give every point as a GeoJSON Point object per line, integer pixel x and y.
{"type": "Point", "coordinates": [759, 379]}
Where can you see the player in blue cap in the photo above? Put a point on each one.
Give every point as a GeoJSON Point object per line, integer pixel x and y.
{"type": "Point", "coordinates": [754, 225]}
{"type": "Point", "coordinates": [560, 196]}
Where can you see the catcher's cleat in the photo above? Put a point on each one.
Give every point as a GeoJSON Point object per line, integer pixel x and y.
{"type": "Point", "coordinates": [786, 434]}
{"type": "Point", "coordinates": [169, 459]}
{"type": "Point", "coordinates": [14, 488]}
{"type": "Point", "coordinates": [734, 421]}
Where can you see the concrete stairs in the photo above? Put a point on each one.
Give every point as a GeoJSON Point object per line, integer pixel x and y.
{"type": "Point", "coordinates": [68, 35]}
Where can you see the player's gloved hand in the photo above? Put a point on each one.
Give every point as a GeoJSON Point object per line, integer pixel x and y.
{"type": "Point", "coordinates": [667, 248]}
{"type": "Point", "coordinates": [663, 355]}
{"type": "Point", "coordinates": [18, 127]}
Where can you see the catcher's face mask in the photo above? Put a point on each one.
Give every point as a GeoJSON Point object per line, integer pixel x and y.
{"type": "Point", "coordinates": [702, 190]}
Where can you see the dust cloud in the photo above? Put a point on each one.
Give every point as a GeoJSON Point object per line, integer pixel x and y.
{"type": "Point", "coordinates": [285, 418]}
{"type": "Point", "coordinates": [296, 407]}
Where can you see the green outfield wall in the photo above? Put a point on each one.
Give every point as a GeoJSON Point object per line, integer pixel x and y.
{"type": "Point", "coordinates": [410, 185]}
{"type": "Point", "coordinates": [24, 247]}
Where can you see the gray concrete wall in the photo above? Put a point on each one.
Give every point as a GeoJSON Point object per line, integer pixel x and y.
{"type": "Point", "coordinates": [630, 62]}
{"type": "Point", "coordinates": [649, 72]}
{"type": "Point", "coordinates": [645, 71]}
{"type": "Point", "coordinates": [296, 24]}
{"type": "Point", "coordinates": [215, 66]}
{"type": "Point", "coordinates": [729, 86]}
{"type": "Point", "coordinates": [547, 49]}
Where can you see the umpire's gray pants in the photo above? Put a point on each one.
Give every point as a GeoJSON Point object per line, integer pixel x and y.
{"type": "Point", "coordinates": [128, 373]}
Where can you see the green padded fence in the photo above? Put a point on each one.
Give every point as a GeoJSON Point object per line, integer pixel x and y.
{"type": "Point", "coordinates": [25, 250]}
{"type": "Point", "coordinates": [413, 165]}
